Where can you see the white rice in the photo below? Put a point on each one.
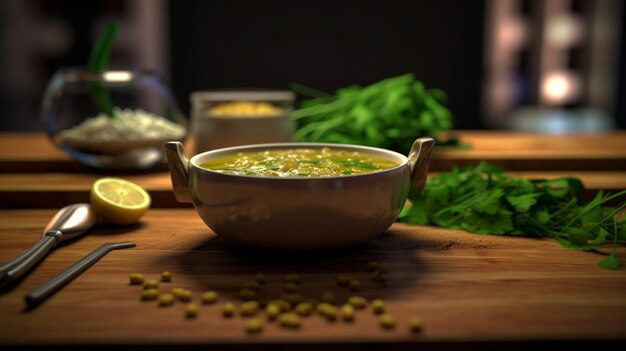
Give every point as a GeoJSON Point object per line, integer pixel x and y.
{"type": "Point", "coordinates": [130, 129]}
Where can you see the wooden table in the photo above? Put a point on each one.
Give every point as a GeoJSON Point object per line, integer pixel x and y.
{"type": "Point", "coordinates": [472, 291]}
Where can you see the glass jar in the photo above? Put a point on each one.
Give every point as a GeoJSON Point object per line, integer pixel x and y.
{"type": "Point", "coordinates": [222, 118]}
{"type": "Point", "coordinates": [112, 119]}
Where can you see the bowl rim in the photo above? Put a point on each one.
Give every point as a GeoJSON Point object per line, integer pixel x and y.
{"type": "Point", "coordinates": [108, 75]}
{"type": "Point", "coordinates": [393, 155]}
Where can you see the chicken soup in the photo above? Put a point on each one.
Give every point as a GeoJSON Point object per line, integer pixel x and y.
{"type": "Point", "coordinates": [306, 162]}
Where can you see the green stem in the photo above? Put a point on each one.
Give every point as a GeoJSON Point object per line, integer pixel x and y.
{"type": "Point", "coordinates": [99, 59]}
{"type": "Point", "coordinates": [587, 209]}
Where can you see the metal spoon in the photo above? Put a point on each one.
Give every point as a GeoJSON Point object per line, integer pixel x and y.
{"type": "Point", "coordinates": [69, 223]}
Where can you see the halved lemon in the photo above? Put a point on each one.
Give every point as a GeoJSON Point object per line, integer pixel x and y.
{"type": "Point", "coordinates": [119, 201]}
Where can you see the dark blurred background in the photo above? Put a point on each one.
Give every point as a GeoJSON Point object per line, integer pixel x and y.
{"type": "Point", "coordinates": [543, 65]}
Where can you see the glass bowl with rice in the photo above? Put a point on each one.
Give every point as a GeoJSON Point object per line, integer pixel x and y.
{"type": "Point", "coordinates": [114, 119]}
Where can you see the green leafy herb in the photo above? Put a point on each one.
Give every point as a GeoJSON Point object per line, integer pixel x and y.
{"type": "Point", "coordinates": [482, 199]}
{"type": "Point", "coordinates": [99, 59]}
{"type": "Point", "coordinates": [389, 114]}
{"type": "Point", "coordinates": [610, 262]}
{"type": "Point", "coordinates": [355, 163]}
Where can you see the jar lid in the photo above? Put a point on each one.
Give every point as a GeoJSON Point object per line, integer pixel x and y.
{"type": "Point", "coordinates": [238, 95]}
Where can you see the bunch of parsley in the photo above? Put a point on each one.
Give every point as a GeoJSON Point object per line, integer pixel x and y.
{"type": "Point", "coordinates": [389, 114]}
{"type": "Point", "coordinates": [482, 199]}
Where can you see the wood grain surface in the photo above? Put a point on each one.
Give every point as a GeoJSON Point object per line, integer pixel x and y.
{"type": "Point", "coordinates": [30, 152]}
{"type": "Point", "coordinates": [55, 190]}
{"type": "Point", "coordinates": [518, 151]}
{"type": "Point", "coordinates": [471, 288]}
{"type": "Point", "coordinates": [474, 292]}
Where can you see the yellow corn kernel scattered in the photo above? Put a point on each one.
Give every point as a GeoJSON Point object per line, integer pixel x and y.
{"type": "Point", "coordinates": [327, 310]}
{"type": "Point", "coordinates": [328, 296]}
{"type": "Point", "coordinates": [354, 285]}
{"type": "Point", "coordinates": [292, 278]}
{"type": "Point", "coordinates": [272, 310]}
{"type": "Point", "coordinates": [357, 302]}
{"type": "Point", "coordinates": [321, 307]}
{"type": "Point", "coordinates": [191, 310]}
{"type": "Point", "coordinates": [166, 300]}
{"type": "Point", "coordinates": [378, 276]}
{"type": "Point", "coordinates": [247, 294]}
{"type": "Point", "coordinates": [166, 276]}
{"type": "Point", "coordinates": [293, 298]}
{"type": "Point", "coordinates": [372, 266]}
{"type": "Point", "coordinates": [416, 324]}
{"type": "Point", "coordinates": [254, 326]}
{"type": "Point", "coordinates": [260, 278]}
{"type": "Point", "coordinates": [330, 312]}
{"type": "Point", "coordinates": [378, 306]}
{"type": "Point", "coordinates": [150, 284]}
{"type": "Point", "coordinates": [290, 287]}
{"type": "Point", "coordinates": [304, 309]}
{"type": "Point", "coordinates": [228, 310]}
{"type": "Point", "coordinates": [386, 321]}
{"type": "Point", "coordinates": [343, 280]}
{"type": "Point", "coordinates": [347, 312]}
{"type": "Point", "coordinates": [177, 291]}
{"type": "Point", "coordinates": [252, 285]}
{"type": "Point", "coordinates": [136, 279]}
{"type": "Point", "coordinates": [209, 297]}
{"type": "Point", "coordinates": [149, 294]}
{"type": "Point", "coordinates": [249, 308]}
{"type": "Point", "coordinates": [184, 295]}
{"type": "Point", "coordinates": [283, 304]}
{"type": "Point", "coordinates": [289, 320]}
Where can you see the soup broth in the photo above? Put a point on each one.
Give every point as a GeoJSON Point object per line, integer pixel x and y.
{"type": "Point", "coordinates": [324, 162]}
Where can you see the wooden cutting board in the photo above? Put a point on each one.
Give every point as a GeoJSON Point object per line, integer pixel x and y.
{"type": "Point", "coordinates": [466, 287]}
{"type": "Point", "coordinates": [514, 151]}
{"type": "Point", "coordinates": [519, 151]}
{"type": "Point", "coordinates": [55, 190]}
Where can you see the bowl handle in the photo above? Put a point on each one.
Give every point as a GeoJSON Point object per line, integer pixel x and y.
{"type": "Point", "coordinates": [178, 163]}
{"type": "Point", "coordinates": [419, 159]}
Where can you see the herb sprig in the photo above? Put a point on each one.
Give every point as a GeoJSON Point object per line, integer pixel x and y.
{"type": "Point", "coordinates": [483, 199]}
{"type": "Point", "coordinates": [99, 59]}
{"type": "Point", "coordinates": [389, 114]}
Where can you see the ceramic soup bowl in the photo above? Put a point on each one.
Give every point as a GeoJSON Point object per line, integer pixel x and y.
{"type": "Point", "coordinates": [298, 213]}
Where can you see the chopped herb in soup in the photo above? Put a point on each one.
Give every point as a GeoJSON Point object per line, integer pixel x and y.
{"type": "Point", "coordinates": [325, 162]}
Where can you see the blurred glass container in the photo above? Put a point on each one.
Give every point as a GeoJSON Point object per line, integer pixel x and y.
{"type": "Point", "coordinates": [560, 121]}
{"type": "Point", "coordinates": [222, 118]}
{"type": "Point", "coordinates": [145, 116]}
